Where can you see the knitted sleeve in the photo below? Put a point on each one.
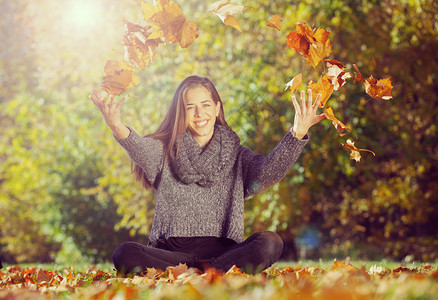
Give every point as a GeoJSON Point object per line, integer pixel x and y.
{"type": "Point", "coordinates": [260, 173]}
{"type": "Point", "coordinates": [145, 152]}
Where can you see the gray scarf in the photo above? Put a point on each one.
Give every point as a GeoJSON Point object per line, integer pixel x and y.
{"type": "Point", "coordinates": [209, 165]}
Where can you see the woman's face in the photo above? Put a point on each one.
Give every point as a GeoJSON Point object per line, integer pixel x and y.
{"type": "Point", "coordinates": [201, 114]}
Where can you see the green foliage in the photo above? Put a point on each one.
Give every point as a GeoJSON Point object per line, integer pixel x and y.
{"type": "Point", "coordinates": [65, 185]}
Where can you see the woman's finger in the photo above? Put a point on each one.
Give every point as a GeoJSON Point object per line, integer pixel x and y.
{"type": "Point", "coordinates": [111, 100]}
{"type": "Point", "coordinates": [120, 102]}
{"type": "Point", "coordinates": [296, 105]}
{"type": "Point", "coordinates": [317, 102]}
{"type": "Point", "coordinates": [309, 100]}
{"type": "Point", "coordinates": [97, 94]}
{"type": "Point", "coordinates": [303, 103]}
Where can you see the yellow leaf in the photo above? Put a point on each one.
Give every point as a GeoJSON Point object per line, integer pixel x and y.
{"type": "Point", "coordinates": [232, 21]}
{"type": "Point", "coordinates": [295, 83]}
{"type": "Point", "coordinates": [275, 22]}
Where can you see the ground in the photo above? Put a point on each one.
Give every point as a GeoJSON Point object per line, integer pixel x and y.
{"type": "Point", "coordinates": [286, 280]}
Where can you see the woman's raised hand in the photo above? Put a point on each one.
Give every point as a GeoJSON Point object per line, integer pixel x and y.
{"type": "Point", "coordinates": [305, 113]}
{"type": "Point", "coordinates": [111, 113]}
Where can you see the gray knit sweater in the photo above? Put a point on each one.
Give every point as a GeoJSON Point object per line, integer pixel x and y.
{"type": "Point", "coordinates": [190, 210]}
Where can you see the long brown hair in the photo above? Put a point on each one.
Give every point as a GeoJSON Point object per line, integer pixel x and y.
{"type": "Point", "coordinates": [175, 123]}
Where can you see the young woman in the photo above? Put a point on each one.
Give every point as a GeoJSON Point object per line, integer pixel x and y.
{"type": "Point", "coordinates": [202, 175]}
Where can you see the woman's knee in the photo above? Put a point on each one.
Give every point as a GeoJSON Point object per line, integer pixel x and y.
{"type": "Point", "coordinates": [123, 255]}
{"type": "Point", "coordinates": [272, 244]}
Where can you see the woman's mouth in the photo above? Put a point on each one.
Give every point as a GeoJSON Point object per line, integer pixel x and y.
{"type": "Point", "coordinates": [201, 123]}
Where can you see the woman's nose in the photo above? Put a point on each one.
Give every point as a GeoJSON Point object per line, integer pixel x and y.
{"type": "Point", "coordinates": [199, 111]}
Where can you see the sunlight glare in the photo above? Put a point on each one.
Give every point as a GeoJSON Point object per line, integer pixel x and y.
{"type": "Point", "coordinates": [83, 14]}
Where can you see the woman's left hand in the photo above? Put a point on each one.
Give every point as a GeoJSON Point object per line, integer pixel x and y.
{"type": "Point", "coordinates": [305, 114]}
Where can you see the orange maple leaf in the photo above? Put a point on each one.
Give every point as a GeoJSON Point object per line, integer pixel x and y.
{"type": "Point", "coordinates": [355, 152]}
{"type": "Point", "coordinates": [170, 23]}
{"type": "Point", "coordinates": [314, 46]}
{"type": "Point", "coordinates": [295, 83]}
{"type": "Point", "coordinates": [275, 22]}
{"type": "Point", "coordinates": [378, 88]}
{"type": "Point", "coordinates": [226, 11]}
{"type": "Point", "coordinates": [323, 87]}
{"type": "Point", "coordinates": [119, 77]}
{"type": "Point", "coordinates": [340, 127]}
{"type": "Point", "coordinates": [336, 73]}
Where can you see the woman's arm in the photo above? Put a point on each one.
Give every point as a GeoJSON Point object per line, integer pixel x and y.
{"type": "Point", "coordinates": [111, 113]}
{"type": "Point", "coordinates": [261, 172]}
{"type": "Point", "coordinates": [145, 152]}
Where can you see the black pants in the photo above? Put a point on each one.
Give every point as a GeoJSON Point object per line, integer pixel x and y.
{"type": "Point", "coordinates": [255, 254]}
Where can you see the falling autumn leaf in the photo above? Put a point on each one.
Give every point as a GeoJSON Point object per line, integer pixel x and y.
{"type": "Point", "coordinates": [295, 83]}
{"type": "Point", "coordinates": [336, 73]}
{"type": "Point", "coordinates": [275, 22]}
{"type": "Point", "coordinates": [381, 88]}
{"type": "Point", "coordinates": [170, 23]}
{"type": "Point", "coordinates": [378, 88]}
{"type": "Point", "coordinates": [226, 11]}
{"type": "Point", "coordinates": [313, 45]}
{"type": "Point", "coordinates": [358, 76]}
{"type": "Point", "coordinates": [119, 77]}
{"type": "Point", "coordinates": [139, 49]}
{"type": "Point", "coordinates": [340, 127]}
{"type": "Point", "coordinates": [355, 152]}
{"type": "Point", "coordinates": [323, 87]}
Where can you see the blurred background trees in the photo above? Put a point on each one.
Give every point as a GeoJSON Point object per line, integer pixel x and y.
{"type": "Point", "coordinates": [66, 192]}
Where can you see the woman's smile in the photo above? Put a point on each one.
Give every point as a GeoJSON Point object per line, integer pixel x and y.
{"type": "Point", "coordinates": [201, 123]}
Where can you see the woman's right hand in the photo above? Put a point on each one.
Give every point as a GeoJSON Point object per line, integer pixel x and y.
{"type": "Point", "coordinates": [111, 113]}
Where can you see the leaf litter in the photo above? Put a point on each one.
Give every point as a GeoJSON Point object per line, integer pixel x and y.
{"type": "Point", "coordinates": [342, 281]}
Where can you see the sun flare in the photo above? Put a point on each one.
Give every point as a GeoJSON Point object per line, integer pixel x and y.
{"type": "Point", "coordinates": [83, 14]}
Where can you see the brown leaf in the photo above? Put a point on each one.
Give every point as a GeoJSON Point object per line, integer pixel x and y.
{"type": "Point", "coordinates": [153, 273]}
{"type": "Point", "coordinates": [323, 87]}
{"type": "Point", "coordinates": [340, 127]}
{"type": "Point", "coordinates": [355, 152]}
{"type": "Point", "coordinates": [226, 12]}
{"type": "Point", "coordinates": [378, 88]}
{"type": "Point", "coordinates": [275, 22]}
{"type": "Point", "coordinates": [212, 275]}
{"type": "Point", "coordinates": [381, 88]}
{"type": "Point", "coordinates": [43, 276]}
{"type": "Point", "coordinates": [336, 73]}
{"type": "Point", "coordinates": [139, 48]}
{"type": "Point", "coordinates": [119, 77]}
{"type": "Point", "coordinates": [314, 46]}
{"type": "Point", "coordinates": [358, 77]}
{"type": "Point", "coordinates": [295, 83]}
{"type": "Point", "coordinates": [174, 272]}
